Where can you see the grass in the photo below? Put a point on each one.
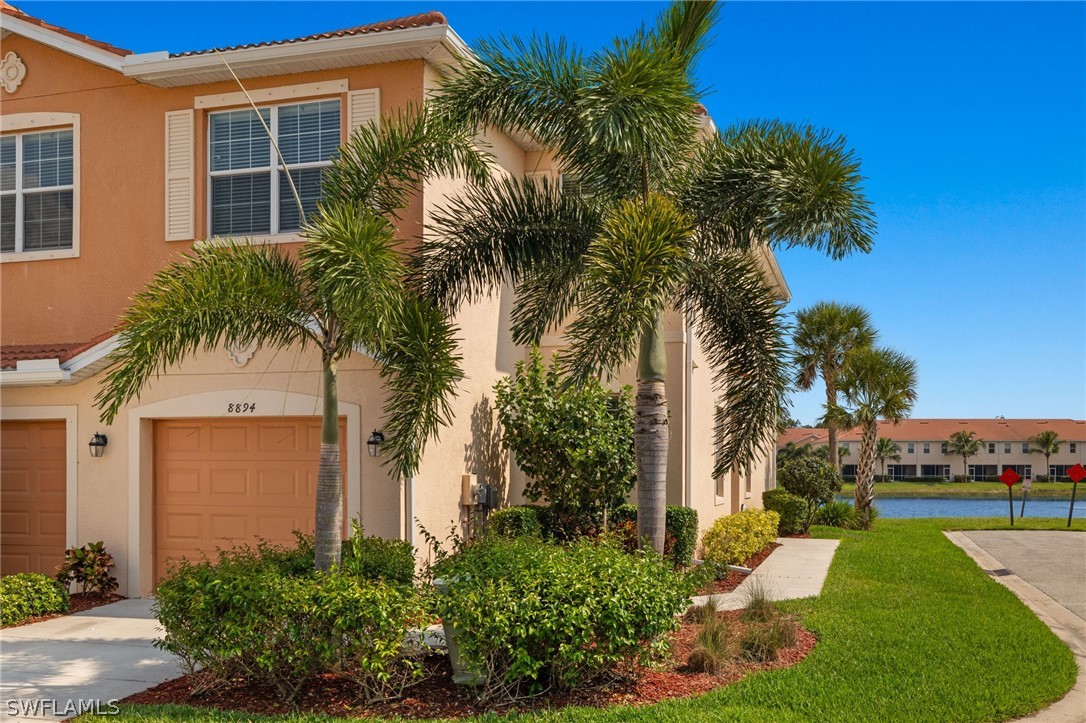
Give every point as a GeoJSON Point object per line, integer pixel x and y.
{"type": "Point", "coordinates": [910, 630]}
{"type": "Point", "coordinates": [1047, 490]}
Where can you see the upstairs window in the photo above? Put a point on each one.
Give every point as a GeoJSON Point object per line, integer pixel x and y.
{"type": "Point", "coordinates": [1025, 447]}
{"type": "Point", "coordinates": [991, 448]}
{"type": "Point", "coordinates": [1006, 448]}
{"type": "Point", "coordinates": [37, 189]}
{"type": "Point", "coordinates": [910, 448]}
{"type": "Point", "coordinates": [249, 191]}
{"type": "Point", "coordinates": [927, 447]}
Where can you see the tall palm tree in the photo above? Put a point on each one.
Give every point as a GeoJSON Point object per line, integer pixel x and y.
{"type": "Point", "coordinates": [667, 215]}
{"type": "Point", "coordinates": [825, 333]}
{"type": "Point", "coordinates": [823, 452]}
{"type": "Point", "coordinates": [1046, 443]}
{"type": "Point", "coordinates": [966, 444]}
{"type": "Point", "coordinates": [886, 449]}
{"type": "Point", "coordinates": [874, 383]}
{"type": "Point", "coordinates": [344, 292]}
{"type": "Point", "coordinates": [791, 450]}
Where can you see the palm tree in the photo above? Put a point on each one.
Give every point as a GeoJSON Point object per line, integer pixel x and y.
{"type": "Point", "coordinates": [964, 443]}
{"type": "Point", "coordinates": [886, 449]}
{"type": "Point", "coordinates": [667, 215]}
{"type": "Point", "coordinates": [823, 452]}
{"type": "Point", "coordinates": [1046, 443]}
{"type": "Point", "coordinates": [792, 451]}
{"type": "Point", "coordinates": [344, 292]}
{"type": "Point", "coordinates": [825, 333]}
{"type": "Point", "coordinates": [874, 384]}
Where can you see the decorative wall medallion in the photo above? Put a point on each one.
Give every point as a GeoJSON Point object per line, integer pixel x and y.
{"type": "Point", "coordinates": [12, 72]}
{"type": "Point", "coordinates": [242, 354]}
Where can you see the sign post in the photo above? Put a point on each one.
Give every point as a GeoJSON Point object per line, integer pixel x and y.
{"type": "Point", "coordinates": [1009, 477]}
{"type": "Point", "coordinates": [1076, 474]}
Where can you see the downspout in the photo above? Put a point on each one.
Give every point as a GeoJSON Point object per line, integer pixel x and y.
{"type": "Point", "coordinates": [688, 416]}
{"type": "Point", "coordinates": [409, 510]}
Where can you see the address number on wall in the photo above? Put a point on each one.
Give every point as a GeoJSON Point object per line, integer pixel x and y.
{"type": "Point", "coordinates": [241, 408]}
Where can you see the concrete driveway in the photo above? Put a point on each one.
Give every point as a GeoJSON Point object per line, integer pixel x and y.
{"type": "Point", "coordinates": [52, 669]}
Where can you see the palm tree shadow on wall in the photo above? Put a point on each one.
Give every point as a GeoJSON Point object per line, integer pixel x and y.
{"type": "Point", "coordinates": [484, 456]}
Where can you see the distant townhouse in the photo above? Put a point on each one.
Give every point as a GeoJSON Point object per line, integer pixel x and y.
{"type": "Point", "coordinates": [922, 445]}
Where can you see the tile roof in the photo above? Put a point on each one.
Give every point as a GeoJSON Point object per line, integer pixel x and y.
{"type": "Point", "coordinates": [411, 21]}
{"type": "Point", "coordinates": [13, 353]}
{"type": "Point", "coordinates": [15, 12]}
{"type": "Point", "coordinates": [937, 430]}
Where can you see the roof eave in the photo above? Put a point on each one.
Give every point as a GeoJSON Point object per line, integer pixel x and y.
{"type": "Point", "coordinates": [63, 43]}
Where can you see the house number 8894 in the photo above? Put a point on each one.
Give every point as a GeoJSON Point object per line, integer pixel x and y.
{"type": "Point", "coordinates": [240, 408]}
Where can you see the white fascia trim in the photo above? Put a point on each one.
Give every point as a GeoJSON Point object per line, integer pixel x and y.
{"type": "Point", "coordinates": [783, 292]}
{"type": "Point", "coordinates": [33, 377]}
{"type": "Point", "coordinates": [152, 67]}
{"type": "Point", "coordinates": [64, 43]}
{"type": "Point", "coordinates": [95, 354]}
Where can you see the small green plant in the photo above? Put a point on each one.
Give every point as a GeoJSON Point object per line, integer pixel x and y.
{"type": "Point", "coordinates": [762, 642]}
{"type": "Point", "coordinates": [731, 540]}
{"type": "Point", "coordinates": [29, 595]}
{"type": "Point", "coordinates": [813, 480]}
{"type": "Point", "coordinates": [680, 531]}
{"type": "Point", "coordinates": [760, 607]}
{"type": "Point", "coordinates": [88, 566]}
{"type": "Point", "coordinates": [519, 521]}
{"type": "Point", "coordinates": [791, 508]}
{"type": "Point", "coordinates": [713, 646]}
{"type": "Point", "coordinates": [702, 614]}
{"type": "Point", "coordinates": [375, 558]}
{"type": "Point", "coordinates": [838, 514]}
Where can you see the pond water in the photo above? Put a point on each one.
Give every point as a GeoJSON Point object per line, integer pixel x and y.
{"type": "Point", "coordinates": [974, 506]}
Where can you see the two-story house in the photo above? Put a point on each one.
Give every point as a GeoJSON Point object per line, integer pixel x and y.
{"type": "Point", "coordinates": [113, 164]}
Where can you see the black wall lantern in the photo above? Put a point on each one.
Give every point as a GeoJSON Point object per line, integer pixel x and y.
{"type": "Point", "coordinates": [98, 444]}
{"type": "Point", "coordinates": [374, 443]}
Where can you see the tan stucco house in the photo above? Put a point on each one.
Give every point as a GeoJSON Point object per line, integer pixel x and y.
{"type": "Point", "coordinates": [115, 163]}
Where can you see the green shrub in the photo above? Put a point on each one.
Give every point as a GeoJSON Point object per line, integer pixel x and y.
{"type": "Point", "coordinates": [375, 558]}
{"type": "Point", "coordinates": [733, 539]}
{"type": "Point", "coordinates": [244, 617]}
{"type": "Point", "coordinates": [838, 514]}
{"type": "Point", "coordinates": [1042, 478]}
{"type": "Point", "coordinates": [713, 646]}
{"type": "Point", "coordinates": [89, 567]}
{"type": "Point", "coordinates": [28, 595]}
{"type": "Point", "coordinates": [574, 441]}
{"type": "Point", "coordinates": [534, 615]}
{"type": "Point", "coordinates": [791, 508]}
{"type": "Point", "coordinates": [519, 521]}
{"type": "Point", "coordinates": [813, 480]}
{"type": "Point", "coordinates": [762, 642]}
{"type": "Point", "coordinates": [680, 531]}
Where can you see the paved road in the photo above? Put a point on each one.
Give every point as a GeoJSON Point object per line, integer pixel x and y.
{"type": "Point", "coordinates": [1053, 562]}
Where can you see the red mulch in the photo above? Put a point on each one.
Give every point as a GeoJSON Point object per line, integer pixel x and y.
{"type": "Point", "coordinates": [732, 580]}
{"type": "Point", "coordinates": [79, 603]}
{"type": "Point", "coordinates": [438, 697]}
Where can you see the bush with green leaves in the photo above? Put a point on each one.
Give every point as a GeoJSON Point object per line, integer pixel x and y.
{"type": "Point", "coordinates": [812, 479]}
{"type": "Point", "coordinates": [245, 616]}
{"type": "Point", "coordinates": [375, 558]}
{"type": "Point", "coordinates": [791, 508]}
{"type": "Point", "coordinates": [29, 595]}
{"type": "Point", "coordinates": [838, 514]}
{"type": "Point", "coordinates": [535, 615]}
{"type": "Point", "coordinates": [88, 566]}
{"type": "Point", "coordinates": [574, 441]}
{"type": "Point", "coordinates": [680, 531]}
{"type": "Point", "coordinates": [732, 539]}
{"type": "Point", "coordinates": [517, 521]}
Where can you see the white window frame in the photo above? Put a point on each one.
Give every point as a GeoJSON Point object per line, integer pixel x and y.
{"type": "Point", "coordinates": [1025, 448]}
{"type": "Point", "coordinates": [927, 447]}
{"type": "Point", "coordinates": [910, 448]}
{"type": "Point", "coordinates": [1073, 447]}
{"type": "Point", "coordinates": [1006, 448]}
{"type": "Point", "coordinates": [274, 233]}
{"type": "Point", "coordinates": [991, 448]}
{"type": "Point", "coordinates": [25, 124]}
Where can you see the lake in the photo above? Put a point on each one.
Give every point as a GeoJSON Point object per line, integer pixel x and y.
{"type": "Point", "coordinates": [973, 507]}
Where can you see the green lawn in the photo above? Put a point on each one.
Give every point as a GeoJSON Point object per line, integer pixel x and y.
{"type": "Point", "coordinates": [910, 630]}
{"type": "Point", "coordinates": [1048, 490]}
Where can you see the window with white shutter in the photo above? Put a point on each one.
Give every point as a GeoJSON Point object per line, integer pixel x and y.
{"type": "Point", "coordinates": [180, 175]}
{"type": "Point", "coordinates": [363, 106]}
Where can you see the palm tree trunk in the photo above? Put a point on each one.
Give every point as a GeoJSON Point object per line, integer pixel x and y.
{"type": "Point", "coordinates": [329, 524]}
{"type": "Point", "coordinates": [965, 467]}
{"type": "Point", "coordinates": [651, 436]}
{"type": "Point", "coordinates": [865, 473]}
{"type": "Point", "coordinates": [831, 399]}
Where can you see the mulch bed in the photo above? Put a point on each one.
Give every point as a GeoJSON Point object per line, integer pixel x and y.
{"type": "Point", "coordinates": [438, 697]}
{"type": "Point", "coordinates": [732, 580]}
{"type": "Point", "coordinates": [79, 602]}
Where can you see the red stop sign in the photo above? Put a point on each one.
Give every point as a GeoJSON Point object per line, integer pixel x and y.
{"type": "Point", "coordinates": [1076, 473]}
{"type": "Point", "coordinates": [1009, 477]}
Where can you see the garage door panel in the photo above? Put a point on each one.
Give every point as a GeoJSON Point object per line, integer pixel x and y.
{"type": "Point", "coordinates": [33, 482]}
{"type": "Point", "coordinates": [241, 480]}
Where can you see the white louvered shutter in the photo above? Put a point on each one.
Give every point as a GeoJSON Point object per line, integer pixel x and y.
{"type": "Point", "coordinates": [180, 175]}
{"type": "Point", "coordinates": [362, 107]}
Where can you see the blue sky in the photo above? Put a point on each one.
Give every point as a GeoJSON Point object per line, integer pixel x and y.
{"type": "Point", "coordinates": [970, 119]}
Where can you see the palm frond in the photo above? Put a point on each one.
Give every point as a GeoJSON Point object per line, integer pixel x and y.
{"type": "Point", "coordinates": [420, 369]}
{"type": "Point", "coordinates": [878, 383]}
{"type": "Point", "coordinates": [546, 295]}
{"type": "Point", "coordinates": [632, 271]}
{"type": "Point", "coordinates": [824, 333]}
{"type": "Point", "coordinates": [782, 184]}
{"type": "Point", "coordinates": [741, 328]}
{"type": "Point", "coordinates": [683, 28]}
{"type": "Point", "coordinates": [233, 292]}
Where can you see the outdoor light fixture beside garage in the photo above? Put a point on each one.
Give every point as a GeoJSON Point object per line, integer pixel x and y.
{"type": "Point", "coordinates": [374, 443]}
{"type": "Point", "coordinates": [98, 444]}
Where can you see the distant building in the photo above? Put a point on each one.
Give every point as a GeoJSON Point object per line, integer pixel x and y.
{"type": "Point", "coordinates": [922, 444]}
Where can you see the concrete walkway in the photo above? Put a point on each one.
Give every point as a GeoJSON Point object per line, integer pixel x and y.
{"type": "Point", "coordinates": [1047, 571]}
{"type": "Point", "coordinates": [796, 569]}
{"type": "Point", "coordinates": [87, 659]}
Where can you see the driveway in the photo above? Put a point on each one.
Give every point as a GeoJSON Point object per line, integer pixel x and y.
{"type": "Point", "coordinates": [81, 662]}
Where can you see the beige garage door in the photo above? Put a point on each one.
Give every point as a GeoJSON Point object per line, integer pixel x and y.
{"type": "Point", "coordinates": [221, 482]}
{"type": "Point", "coordinates": [32, 496]}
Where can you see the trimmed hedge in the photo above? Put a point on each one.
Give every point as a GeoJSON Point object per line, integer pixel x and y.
{"type": "Point", "coordinates": [518, 521]}
{"type": "Point", "coordinates": [375, 558]}
{"type": "Point", "coordinates": [29, 595]}
{"type": "Point", "coordinates": [680, 530]}
{"type": "Point", "coordinates": [792, 509]}
{"type": "Point", "coordinates": [734, 538]}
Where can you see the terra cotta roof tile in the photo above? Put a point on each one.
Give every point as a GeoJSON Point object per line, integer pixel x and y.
{"type": "Point", "coordinates": [937, 430]}
{"type": "Point", "coordinates": [62, 351]}
{"type": "Point", "coordinates": [15, 12]}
